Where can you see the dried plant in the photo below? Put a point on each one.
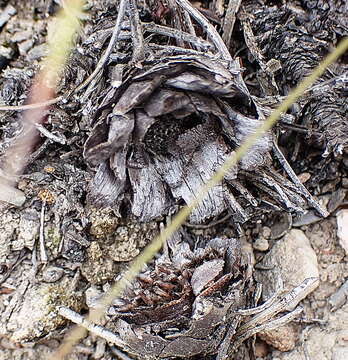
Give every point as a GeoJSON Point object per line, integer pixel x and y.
{"type": "Point", "coordinates": [321, 112]}
{"type": "Point", "coordinates": [186, 304]}
{"type": "Point", "coordinates": [169, 117]}
{"type": "Point", "coordinates": [44, 86]}
{"type": "Point", "coordinates": [177, 116]}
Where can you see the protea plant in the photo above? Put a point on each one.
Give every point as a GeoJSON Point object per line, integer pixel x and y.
{"type": "Point", "coordinates": [172, 117]}
{"type": "Point", "coordinates": [185, 305]}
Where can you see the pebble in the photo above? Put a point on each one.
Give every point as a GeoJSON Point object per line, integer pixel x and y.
{"type": "Point", "coordinates": [20, 36]}
{"type": "Point", "coordinates": [261, 244]}
{"type": "Point", "coordinates": [281, 226]}
{"type": "Point", "coordinates": [25, 46]}
{"type": "Point", "coordinates": [342, 228]}
{"type": "Point", "coordinates": [339, 298]}
{"type": "Point", "coordinates": [304, 177]}
{"type": "Point", "coordinates": [336, 199]}
{"type": "Point", "coordinates": [292, 258]}
{"type": "Point", "coordinates": [52, 274]}
{"type": "Point", "coordinates": [6, 14]}
{"type": "Point", "coordinates": [327, 342]}
{"type": "Point", "coordinates": [93, 296]}
{"type": "Point", "coordinates": [345, 182]}
{"type": "Point", "coordinates": [28, 230]}
{"type": "Point", "coordinates": [261, 349]}
{"type": "Point", "coordinates": [266, 232]}
{"type": "Point", "coordinates": [38, 52]}
{"type": "Point", "coordinates": [283, 338]}
{"type": "Point", "coordinates": [308, 218]}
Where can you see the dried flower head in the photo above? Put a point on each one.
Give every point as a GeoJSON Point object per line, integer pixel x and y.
{"type": "Point", "coordinates": [159, 136]}
{"type": "Point", "coordinates": [185, 305]}
{"type": "Point", "coordinates": [323, 110]}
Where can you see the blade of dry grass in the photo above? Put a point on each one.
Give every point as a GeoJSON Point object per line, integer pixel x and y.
{"type": "Point", "coordinates": [148, 253]}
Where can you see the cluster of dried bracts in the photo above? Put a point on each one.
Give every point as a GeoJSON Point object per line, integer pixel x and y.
{"type": "Point", "coordinates": [169, 119]}
{"type": "Point", "coordinates": [299, 38]}
{"type": "Point", "coordinates": [186, 305]}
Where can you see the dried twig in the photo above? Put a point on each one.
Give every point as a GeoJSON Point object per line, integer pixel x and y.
{"type": "Point", "coordinates": [56, 138]}
{"type": "Point", "coordinates": [170, 50]}
{"type": "Point", "coordinates": [176, 20]}
{"type": "Point", "coordinates": [115, 34]}
{"type": "Point", "coordinates": [178, 34]}
{"type": "Point", "coordinates": [229, 20]}
{"type": "Point", "coordinates": [266, 304]}
{"type": "Point", "coordinates": [210, 225]}
{"type": "Point", "coordinates": [95, 329]}
{"type": "Point", "coordinates": [287, 303]}
{"type": "Point", "coordinates": [119, 354]}
{"type": "Point", "coordinates": [267, 326]}
{"type": "Point", "coordinates": [137, 33]}
{"type": "Point", "coordinates": [208, 27]}
{"type": "Point", "coordinates": [43, 254]}
{"type": "Point", "coordinates": [302, 189]}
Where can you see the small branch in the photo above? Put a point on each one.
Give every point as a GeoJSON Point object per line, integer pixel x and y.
{"type": "Point", "coordinates": [178, 34]}
{"type": "Point", "coordinates": [286, 303]}
{"type": "Point", "coordinates": [119, 354]}
{"type": "Point", "coordinates": [267, 304]}
{"type": "Point", "coordinates": [95, 329]}
{"type": "Point", "coordinates": [302, 189]}
{"type": "Point", "coordinates": [137, 33]}
{"type": "Point", "coordinates": [267, 326]}
{"type": "Point", "coordinates": [56, 138]}
{"type": "Point", "coordinates": [176, 20]}
{"type": "Point", "coordinates": [208, 226]}
{"type": "Point", "coordinates": [208, 27]}
{"type": "Point", "coordinates": [230, 18]}
{"type": "Point", "coordinates": [112, 42]}
{"type": "Point", "coordinates": [299, 129]}
{"type": "Point", "coordinates": [43, 254]}
{"type": "Point", "coordinates": [175, 50]}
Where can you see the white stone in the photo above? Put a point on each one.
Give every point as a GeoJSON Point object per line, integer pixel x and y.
{"type": "Point", "coordinates": [342, 228]}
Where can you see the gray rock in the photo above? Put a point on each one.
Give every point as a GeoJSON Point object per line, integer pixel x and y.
{"type": "Point", "coordinates": [261, 244]}
{"type": "Point", "coordinates": [283, 338]}
{"type": "Point", "coordinates": [36, 309]}
{"type": "Point", "coordinates": [28, 230]}
{"type": "Point", "coordinates": [38, 52]}
{"type": "Point", "coordinates": [342, 229]}
{"type": "Point", "coordinates": [329, 342]}
{"type": "Point", "coordinates": [292, 258]}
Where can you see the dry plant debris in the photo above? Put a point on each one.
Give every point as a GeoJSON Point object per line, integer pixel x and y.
{"type": "Point", "coordinates": [163, 102]}
{"type": "Point", "coordinates": [177, 116]}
